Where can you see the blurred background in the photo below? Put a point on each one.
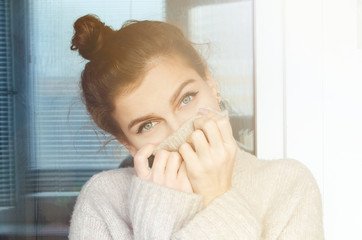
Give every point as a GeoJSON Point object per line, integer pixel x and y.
{"type": "Point", "coordinates": [290, 71]}
{"type": "Point", "coordinates": [49, 145]}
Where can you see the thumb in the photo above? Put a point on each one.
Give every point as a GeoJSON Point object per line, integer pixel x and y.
{"type": "Point", "coordinates": [141, 161]}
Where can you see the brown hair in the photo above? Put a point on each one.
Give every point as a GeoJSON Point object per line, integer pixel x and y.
{"type": "Point", "coordinates": [118, 59]}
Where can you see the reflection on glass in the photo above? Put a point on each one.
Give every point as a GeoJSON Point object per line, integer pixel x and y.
{"type": "Point", "coordinates": [228, 27]}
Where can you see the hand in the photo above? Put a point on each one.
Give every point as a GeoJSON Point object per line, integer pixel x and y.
{"type": "Point", "coordinates": [209, 156]}
{"type": "Point", "coordinates": [167, 170]}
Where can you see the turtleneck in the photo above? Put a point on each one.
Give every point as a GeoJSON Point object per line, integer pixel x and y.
{"type": "Point", "coordinates": [269, 199]}
{"type": "Point", "coordinates": [174, 141]}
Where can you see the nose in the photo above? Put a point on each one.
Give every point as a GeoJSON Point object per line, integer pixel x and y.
{"type": "Point", "coordinates": [175, 120]}
{"type": "Point", "coordinates": [173, 126]}
{"type": "Point", "coordinates": [174, 123]}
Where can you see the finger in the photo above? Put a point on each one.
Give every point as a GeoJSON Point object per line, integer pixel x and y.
{"type": "Point", "coordinates": [211, 131]}
{"type": "Point", "coordinates": [159, 165]}
{"type": "Point", "coordinates": [182, 171]}
{"type": "Point", "coordinates": [206, 113]}
{"type": "Point", "coordinates": [221, 120]}
{"type": "Point", "coordinates": [207, 110]}
{"type": "Point", "coordinates": [187, 154]}
{"type": "Point", "coordinates": [141, 161]}
{"type": "Point", "coordinates": [198, 140]}
{"type": "Point", "coordinates": [173, 165]}
{"type": "Point", "coordinates": [225, 130]}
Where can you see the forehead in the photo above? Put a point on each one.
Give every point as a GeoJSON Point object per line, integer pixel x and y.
{"type": "Point", "coordinates": [155, 90]}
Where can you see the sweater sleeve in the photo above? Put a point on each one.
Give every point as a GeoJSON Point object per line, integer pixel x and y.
{"type": "Point", "coordinates": [87, 227]}
{"type": "Point", "coordinates": [99, 212]}
{"type": "Point", "coordinates": [227, 217]}
{"type": "Point", "coordinates": [161, 213]}
{"type": "Point", "coordinates": [156, 211]}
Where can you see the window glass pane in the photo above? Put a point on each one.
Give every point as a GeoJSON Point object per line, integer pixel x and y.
{"type": "Point", "coordinates": [65, 148]}
{"type": "Point", "coordinates": [228, 29]}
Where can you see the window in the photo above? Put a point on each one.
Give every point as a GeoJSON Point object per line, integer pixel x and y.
{"type": "Point", "coordinates": [7, 184]}
{"type": "Point", "coordinates": [227, 26]}
{"type": "Point", "coordinates": [58, 148]}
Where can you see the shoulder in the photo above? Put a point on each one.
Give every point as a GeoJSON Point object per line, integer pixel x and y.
{"type": "Point", "coordinates": [285, 172]}
{"type": "Point", "coordinates": [107, 186]}
{"type": "Point", "coordinates": [287, 167]}
{"type": "Point", "coordinates": [102, 199]}
{"type": "Point", "coordinates": [289, 170]}
{"type": "Point", "coordinates": [115, 177]}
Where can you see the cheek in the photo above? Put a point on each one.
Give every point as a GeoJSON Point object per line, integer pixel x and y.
{"type": "Point", "coordinates": [156, 137]}
{"type": "Point", "coordinates": [209, 100]}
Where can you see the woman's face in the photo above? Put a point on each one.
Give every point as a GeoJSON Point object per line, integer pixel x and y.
{"type": "Point", "coordinates": [170, 93]}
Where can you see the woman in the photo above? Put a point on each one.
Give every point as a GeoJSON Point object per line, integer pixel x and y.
{"type": "Point", "coordinates": [147, 86]}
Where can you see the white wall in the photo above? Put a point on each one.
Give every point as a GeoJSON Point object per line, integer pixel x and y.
{"type": "Point", "coordinates": [309, 98]}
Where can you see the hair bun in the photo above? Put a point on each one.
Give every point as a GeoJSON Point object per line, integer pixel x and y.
{"type": "Point", "coordinates": [89, 36]}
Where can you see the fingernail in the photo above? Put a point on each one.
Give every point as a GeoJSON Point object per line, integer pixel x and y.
{"type": "Point", "coordinates": [203, 111]}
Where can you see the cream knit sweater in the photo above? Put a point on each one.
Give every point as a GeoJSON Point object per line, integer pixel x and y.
{"type": "Point", "coordinates": [275, 199]}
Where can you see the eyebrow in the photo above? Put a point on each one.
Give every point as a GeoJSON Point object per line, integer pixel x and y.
{"type": "Point", "coordinates": [172, 100]}
{"type": "Point", "coordinates": [138, 120]}
{"type": "Point", "coordinates": [179, 90]}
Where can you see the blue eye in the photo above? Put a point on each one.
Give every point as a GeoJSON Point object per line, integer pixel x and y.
{"type": "Point", "coordinates": [186, 100]}
{"type": "Point", "coordinates": [188, 97]}
{"type": "Point", "coordinates": [146, 126]}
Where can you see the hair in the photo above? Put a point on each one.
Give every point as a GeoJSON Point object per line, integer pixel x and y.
{"type": "Point", "coordinates": [119, 59]}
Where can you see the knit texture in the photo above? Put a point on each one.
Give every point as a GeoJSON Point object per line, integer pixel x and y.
{"type": "Point", "coordinates": [174, 141]}
{"type": "Point", "coordinates": [274, 199]}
